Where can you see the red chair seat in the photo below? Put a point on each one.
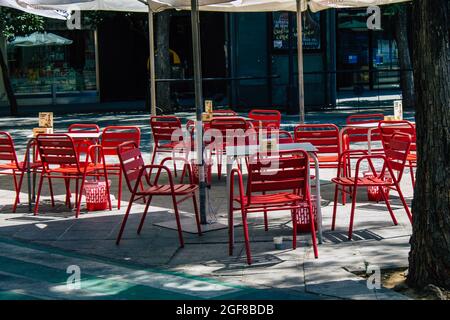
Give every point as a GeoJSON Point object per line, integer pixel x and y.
{"type": "Point", "coordinates": [270, 199]}
{"type": "Point", "coordinates": [171, 145]}
{"type": "Point", "coordinates": [362, 181]}
{"type": "Point", "coordinates": [22, 165]}
{"type": "Point", "coordinates": [180, 189]}
{"type": "Point", "coordinates": [330, 158]}
{"type": "Point", "coordinates": [74, 170]}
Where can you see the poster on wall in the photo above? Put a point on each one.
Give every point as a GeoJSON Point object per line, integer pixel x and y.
{"type": "Point", "coordinates": [311, 31]}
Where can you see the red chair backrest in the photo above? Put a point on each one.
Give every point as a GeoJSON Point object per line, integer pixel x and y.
{"type": "Point", "coordinates": [360, 134]}
{"type": "Point", "coordinates": [163, 127]}
{"type": "Point", "coordinates": [113, 136]}
{"type": "Point", "coordinates": [224, 113]}
{"type": "Point", "coordinates": [57, 149]}
{"type": "Point", "coordinates": [131, 161]}
{"type": "Point", "coordinates": [286, 171]}
{"type": "Point", "coordinates": [83, 127]}
{"type": "Point", "coordinates": [282, 135]}
{"type": "Point", "coordinates": [396, 152]}
{"type": "Point", "coordinates": [228, 126]}
{"type": "Point", "coordinates": [82, 144]}
{"type": "Point", "coordinates": [325, 137]}
{"type": "Point", "coordinates": [7, 150]}
{"type": "Point", "coordinates": [265, 118]}
{"type": "Point", "coordinates": [388, 128]}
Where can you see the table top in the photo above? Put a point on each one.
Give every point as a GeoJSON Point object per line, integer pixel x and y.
{"type": "Point", "coordinates": [242, 151]}
{"type": "Point", "coordinates": [362, 125]}
{"type": "Point", "coordinates": [370, 125]}
{"type": "Point", "coordinates": [78, 135]}
{"type": "Point", "coordinates": [226, 117]}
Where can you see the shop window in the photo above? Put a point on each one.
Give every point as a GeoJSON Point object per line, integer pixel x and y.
{"type": "Point", "coordinates": [68, 66]}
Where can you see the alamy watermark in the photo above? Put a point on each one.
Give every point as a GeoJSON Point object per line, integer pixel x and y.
{"type": "Point", "coordinates": [374, 279]}
{"type": "Point", "coordinates": [74, 280]}
{"type": "Point", "coordinates": [74, 19]}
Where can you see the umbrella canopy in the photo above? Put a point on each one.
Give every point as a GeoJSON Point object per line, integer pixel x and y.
{"type": "Point", "coordinates": [40, 39]}
{"type": "Point", "coordinates": [20, 5]}
{"type": "Point", "coordinates": [205, 5]}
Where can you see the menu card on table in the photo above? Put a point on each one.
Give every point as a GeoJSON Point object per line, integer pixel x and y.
{"type": "Point", "coordinates": [45, 119]}
{"type": "Point", "coordinates": [398, 110]}
{"type": "Point", "coordinates": [208, 106]}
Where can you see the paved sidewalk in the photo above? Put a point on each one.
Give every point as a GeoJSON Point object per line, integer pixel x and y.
{"type": "Point", "coordinates": [35, 251]}
{"type": "Point", "coordinates": [29, 242]}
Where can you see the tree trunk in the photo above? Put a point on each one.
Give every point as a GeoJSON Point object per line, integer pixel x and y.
{"type": "Point", "coordinates": [8, 87]}
{"type": "Point", "coordinates": [401, 36]}
{"type": "Point", "coordinates": [162, 60]}
{"type": "Point", "coordinates": [429, 258]}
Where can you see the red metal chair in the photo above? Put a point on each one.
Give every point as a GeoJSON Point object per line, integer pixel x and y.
{"type": "Point", "coordinates": [393, 161]}
{"type": "Point", "coordinates": [164, 130]}
{"type": "Point", "coordinates": [263, 119]}
{"type": "Point", "coordinates": [224, 130]}
{"type": "Point", "coordinates": [141, 186]}
{"type": "Point", "coordinates": [9, 164]}
{"type": "Point", "coordinates": [388, 128]}
{"type": "Point", "coordinates": [81, 144]}
{"type": "Point", "coordinates": [60, 161]}
{"type": "Point", "coordinates": [355, 135]}
{"type": "Point", "coordinates": [325, 137]}
{"type": "Point", "coordinates": [112, 137]}
{"type": "Point", "coordinates": [283, 181]}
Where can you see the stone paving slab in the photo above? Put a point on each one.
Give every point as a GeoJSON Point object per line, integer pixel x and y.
{"type": "Point", "coordinates": [288, 273]}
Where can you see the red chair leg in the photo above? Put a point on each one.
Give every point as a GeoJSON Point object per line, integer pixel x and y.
{"type": "Point", "coordinates": [230, 230]}
{"type": "Point", "coordinates": [174, 164]}
{"type": "Point", "coordinates": [177, 218]}
{"type": "Point", "coordinates": [266, 221]}
{"type": "Point", "coordinates": [294, 228]}
{"type": "Point", "coordinates": [80, 195]}
{"type": "Point", "coordinates": [19, 186]}
{"type": "Point", "coordinates": [68, 193]}
{"type": "Point", "coordinates": [313, 229]}
{"type": "Point", "coordinates": [119, 196]}
{"type": "Point", "coordinates": [15, 180]}
{"type": "Point", "coordinates": [352, 213]}
{"type": "Point", "coordinates": [51, 191]}
{"type": "Point", "coordinates": [405, 205]}
{"type": "Point", "coordinates": [411, 172]}
{"type": "Point", "coordinates": [197, 215]}
{"type": "Point", "coordinates": [36, 206]}
{"type": "Point", "coordinates": [76, 192]}
{"type": "Point", "coordinates": [124, 221]}
{"type": "Point", "coordinates": [336, 190]}
{"type": "Point", "coordinates": [155, 151]}
{"type": "Point", "coordinates": [141, 224]}
{"type": "Point", "coordinates": [388, 205]}
{"type": "Point", "coordinates": [108, 191]}
{"type": "Point", "coordinates": [246, 238]}
{"type": "Point", "coordinates": [219, 164]}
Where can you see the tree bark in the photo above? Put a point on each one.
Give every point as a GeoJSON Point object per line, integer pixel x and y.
{"type": "Point", "coordinates": [162, 61]}
{"type": "Point", "coordinates": [429, 258]}
{"type": "Point", "coordinates": [401, 36]}
{"type": "Point", "coordinates": [8, 87]}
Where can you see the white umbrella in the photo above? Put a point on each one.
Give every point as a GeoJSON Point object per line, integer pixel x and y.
{"type": "Point", "coordinates": [39, 39]}
{"type": "Point", "coordinates": [20, 5]}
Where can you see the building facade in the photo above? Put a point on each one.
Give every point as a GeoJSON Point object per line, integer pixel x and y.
{"type": "Point", "coordinates": [249, 61]}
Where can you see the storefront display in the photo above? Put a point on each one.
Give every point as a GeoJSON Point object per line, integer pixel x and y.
{"type": "Point", "coordinates": [49, 68]}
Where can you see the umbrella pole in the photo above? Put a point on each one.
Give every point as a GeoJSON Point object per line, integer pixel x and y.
{"type": "Point", "coordinates": [151, 37]}
{"type": "Point", "coordinates": [301, 89]}
{"type": "Point", "coordinates": [195, 21]}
